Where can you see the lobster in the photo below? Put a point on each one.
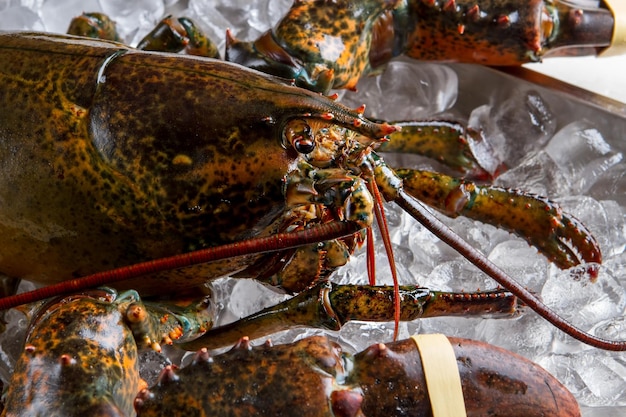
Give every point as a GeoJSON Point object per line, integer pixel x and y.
{"type": "Point", "coordinates": [81, 353]}
{"type": "Point", "coordinates": [300, 141]}
{"type": "Point", "coordinates": [173, 194]}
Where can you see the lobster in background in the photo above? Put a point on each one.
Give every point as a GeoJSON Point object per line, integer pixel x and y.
{"type": "Point", "coordinates": [142, 184]}
{"type": "Point", "coordinates": [332, 44]}
{"type": "Point", "coordinates": [101, 377]}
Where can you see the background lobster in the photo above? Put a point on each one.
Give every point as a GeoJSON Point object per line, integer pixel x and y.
{"type": "Point", "coordinates": [464, 285]}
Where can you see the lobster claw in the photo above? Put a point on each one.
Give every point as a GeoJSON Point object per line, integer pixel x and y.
{"type": "Point", "coordinates": [569, 243]}
{"type": "Point", "coordinates": [561, 238]}
{"type": "Point", "coordinates": [266, 55]}
{"type": "Point", "coordinates": [579, 29]}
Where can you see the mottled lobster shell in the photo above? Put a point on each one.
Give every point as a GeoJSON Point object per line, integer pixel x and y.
{"type": "Point", "coordinates": [312, 377]}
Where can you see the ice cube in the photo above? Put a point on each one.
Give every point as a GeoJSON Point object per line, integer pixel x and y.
{"type": "Point", "coordinates": [522, 262]}
{"type": "Point", "coordinates": [528, 334]}
{"type": "Point", "coordinates": [582, 154]}
{"type": "Point", "coordinates": [487, 142]}
{"type": "Point", "coordinates": [611, 184]}
{"type": "Point", "coordinates": [606, 220]}
{"type": "Point", "coordinates": [582, 302]}
{"type": "Point", "coordinates": [526, 122]}
{"type": "Point", "coordinates": [406, 90]}
{"type": "Point", "coordinates": [511, 128]}
{"type": "Point", "coordinates": [604, 376]}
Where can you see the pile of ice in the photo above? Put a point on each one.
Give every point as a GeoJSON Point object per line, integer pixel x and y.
{"type": "Point", "coordinates": [579, 163]}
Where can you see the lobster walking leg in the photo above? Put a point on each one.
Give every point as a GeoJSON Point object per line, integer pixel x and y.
{"type": "Point", "coordinates": [170, 34]}
{"type": "Point", "coordinates": [329, 306]}
{"type": "Point", "coordinates": [94, 25]}
{"type": "Point", "coordinates": [383, 380]}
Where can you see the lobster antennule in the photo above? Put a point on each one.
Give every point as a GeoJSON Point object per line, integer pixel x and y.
{"type": "Point", "coordinates": [279, 241]}
{"type": "Point", "coordinates": [439, 229]}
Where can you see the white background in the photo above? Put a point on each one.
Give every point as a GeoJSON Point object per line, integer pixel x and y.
{"type": "Point", "coordinates": [605, 76]}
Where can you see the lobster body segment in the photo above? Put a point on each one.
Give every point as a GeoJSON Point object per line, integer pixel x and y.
{"type": "Point", "coordinates": [79, 359]}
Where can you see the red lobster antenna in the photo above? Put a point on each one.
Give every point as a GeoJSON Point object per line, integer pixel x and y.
{"type": "Point", "coordinates": [279, 241]}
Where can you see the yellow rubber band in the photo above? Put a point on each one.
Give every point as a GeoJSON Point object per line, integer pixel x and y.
{"type": "Point", "coordinates": [442, 375]}
{"type": "Point", "coordinates": [618, 42]}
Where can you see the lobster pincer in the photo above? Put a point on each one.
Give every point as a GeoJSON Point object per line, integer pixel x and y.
{"type": "Point", "coordinates": [560, 237]}
{"type": "Point", "coordinates": [383, 380]}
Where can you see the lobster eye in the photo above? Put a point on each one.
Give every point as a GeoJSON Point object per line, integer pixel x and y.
{"type": "Point", "coordinates": [300, 135]}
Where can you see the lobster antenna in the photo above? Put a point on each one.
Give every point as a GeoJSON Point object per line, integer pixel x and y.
{"type": "Point", "coordinates": [443, 232]}
{"type": "Point", "coordinates": [371, 261]}
{"type": "Point", "coordinates": [381, 219]}
{"type": "Point", "coordinates": [279, 241]}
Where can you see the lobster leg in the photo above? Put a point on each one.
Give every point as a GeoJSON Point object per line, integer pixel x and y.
{"type": "Point", "coordinates": [169, 35]}
{"type": "Point", "coordinates": [538, 220]}
{"type": "Point", "coordinates": [328, 306]}
{"type": "Point", "coordinates": [94, 25]}
{"type": "Point", "coordinates": [447, 142]}
{"type": "Point", "coordinates": [179, 35]}
{"type": "Point", "coordinates": [383, 380]}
